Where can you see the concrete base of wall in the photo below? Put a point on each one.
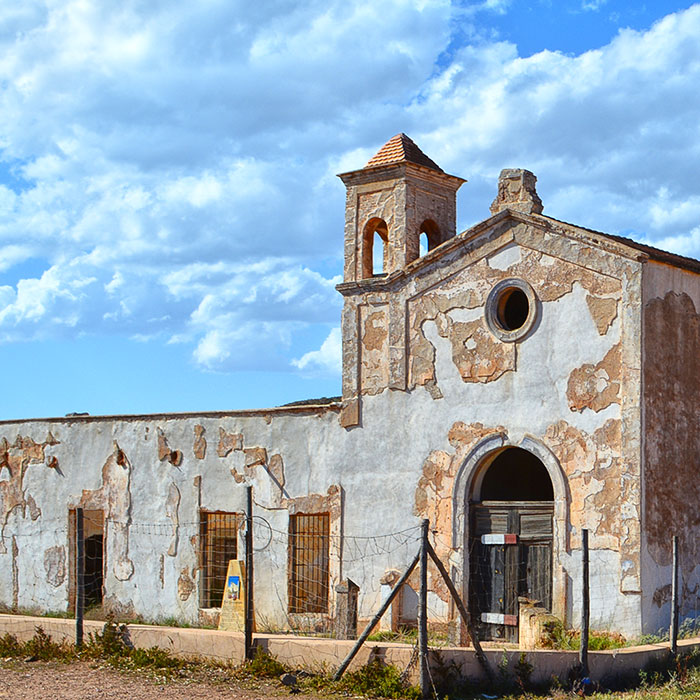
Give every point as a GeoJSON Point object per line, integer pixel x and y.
{"type": "Point", "coordinates": [320, 654]}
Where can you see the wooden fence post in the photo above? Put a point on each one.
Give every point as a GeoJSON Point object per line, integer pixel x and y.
{"type": "Point", "coordinates": [423, 614]}
{"type": "Point", "coordinates": [585, 605]}
{"type": "Point", "coordinates": [249, 599]}
{"type": "Point", "coordinates": [481, 657]}
{"type": "Point", "coordinates": [375, 620]}
{"type": "Point", "coordinates": [79, 576]}
{"type": "Point", "coordinates": [673, 631]}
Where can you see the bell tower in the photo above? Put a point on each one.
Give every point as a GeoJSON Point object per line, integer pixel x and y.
{"type": "Point", "coordinates": [399, 195]}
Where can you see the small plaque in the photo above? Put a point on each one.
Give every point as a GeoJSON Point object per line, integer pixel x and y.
{"type": "Point", "coordinates": [499, 619]}
{"type": "Point", "coordinates": [233, 603]}
{"type": "Point", "coordinates": [499, 539]}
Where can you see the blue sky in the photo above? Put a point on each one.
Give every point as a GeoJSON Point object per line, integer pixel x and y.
{"type": "Point", "coordinates": [170, 220]}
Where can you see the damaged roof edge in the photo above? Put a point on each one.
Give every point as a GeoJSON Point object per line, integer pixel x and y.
{"type": "Point", "coordinates": [302, 409]}
{"type": "Point", "coordinates": [656, 254]}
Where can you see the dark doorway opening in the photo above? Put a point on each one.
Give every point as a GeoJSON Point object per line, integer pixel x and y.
{"type": "Point", "coordinates": [511, 542]}
{"type": "Point", "coordinates": [93, 570]}
{"type": "Point", "coordinates": [94, 551]}
{"type": "Point", "coordinates": [516, 475]}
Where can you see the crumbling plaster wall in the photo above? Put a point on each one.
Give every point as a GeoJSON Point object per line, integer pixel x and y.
{"type": "Point", "coordinates": [573, 384]}
{"type": "Point", "coordinates": [376, 475]}
{"type": "Point", "coordinates": [671, 372]}
{"type": "Point", "coordinates": [150, 476]}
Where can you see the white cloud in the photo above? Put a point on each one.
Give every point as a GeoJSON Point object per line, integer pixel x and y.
{"type": "Point", "coordinates": [175, 167]}
{"type": "Point", "coordinates": [592, 5]}
{"type": "Point", "coordinates": [327, 359]}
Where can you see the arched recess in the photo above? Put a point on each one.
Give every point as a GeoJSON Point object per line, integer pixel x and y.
{"type": "Point", "coordinates": [375, 230]}
{"type": "Point", "coordinates": [468, 486]}
{"type": "Point", "coordinates": [432, 233]}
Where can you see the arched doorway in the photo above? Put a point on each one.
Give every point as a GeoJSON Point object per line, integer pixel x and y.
{"type": "Point", "coordinates": [511, 532]}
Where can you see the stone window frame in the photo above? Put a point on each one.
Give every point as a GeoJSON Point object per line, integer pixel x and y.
{"type": "Point", "coordinates": [491, 309]}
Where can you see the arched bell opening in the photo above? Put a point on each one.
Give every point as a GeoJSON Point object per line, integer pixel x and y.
{"type": "Point", "coordinates": [428, 237]}
{"type": "Point", "coordinates": [375, 248]}
{"type": "Point", "coordinates": [511, 507]}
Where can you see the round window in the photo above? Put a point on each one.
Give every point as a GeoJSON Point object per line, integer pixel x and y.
{"type": "Point", "coordinates": [511, 309]}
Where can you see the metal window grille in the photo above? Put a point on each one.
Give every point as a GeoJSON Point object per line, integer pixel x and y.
{"type": "Point", "coordinates": [218, 533]}
{"type": "Point", "coordinates": [309, 537]}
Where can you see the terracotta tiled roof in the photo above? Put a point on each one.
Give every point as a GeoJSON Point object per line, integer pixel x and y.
{"type": "Point", "coordinates": [400, 149]}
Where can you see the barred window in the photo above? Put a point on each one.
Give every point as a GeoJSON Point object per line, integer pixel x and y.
{"type": "Point", "coordinates": [309, 537]}
{"type": "Point", "coordinates": [218, 537]}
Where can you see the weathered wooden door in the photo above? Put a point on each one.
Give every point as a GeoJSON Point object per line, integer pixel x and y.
{"type": "Point", "coordinates": [510, 556]}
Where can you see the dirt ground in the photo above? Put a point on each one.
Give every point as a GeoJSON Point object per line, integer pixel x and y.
{"type": "Point", "coordinates": [88, 681]}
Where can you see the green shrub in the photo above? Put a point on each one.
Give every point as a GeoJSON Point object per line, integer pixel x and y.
{"type": "Point", "coordinates": [10, 646]}
{"type": "Point", "coordinates": [43, 648]}
{"type": "Point", "coordinates": [377, 679]}
{"type": "Point", "coordinates": [556, 636]}
{"type": "Point", "coordinates": [264, 665]}
{"type": "Point", "coordinates": [110, 642]}
{"type": "Point", "coordinates": [523, 671]}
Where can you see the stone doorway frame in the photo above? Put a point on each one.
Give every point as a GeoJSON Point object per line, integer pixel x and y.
{"type": "Point", "coordinates": [468, 481]}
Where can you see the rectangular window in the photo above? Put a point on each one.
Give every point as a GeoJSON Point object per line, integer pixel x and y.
{"type": "Point", "coordinates": [309, 537]}
{"type": "Point", "coordinates": [218, 537]}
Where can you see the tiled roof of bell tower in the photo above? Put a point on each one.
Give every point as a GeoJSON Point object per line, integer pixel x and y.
{"type": "Point", "coordinates": [400, 149]}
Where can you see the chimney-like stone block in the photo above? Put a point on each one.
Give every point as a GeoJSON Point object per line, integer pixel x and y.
{"type": "Point", "coordinates": [516, 190]}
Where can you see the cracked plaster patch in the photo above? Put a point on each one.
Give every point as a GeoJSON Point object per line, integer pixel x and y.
{"type": "Point", "coordinates": [200, 442]}
{"type": "Point", "coordinates": [15, 459]}
{"type": "Point", "coordinates": [114, 498]}
{"type": "Point", "coordinates": [477, 357]}
{"type": "Point", "coordinates": [185, 584]}
{"type": "Point", "coordinates": [228, 442]}
{"type": "Point", "coordinates": [172, 510]}
{"type": "Point", "coordinates": [603, 312]}
{"type": "Point", "coordinates": [596, 386]}
{"type": "Point", "coordinates": [374, 367]}
{"type": "Point", "coordinates": [55, 565]}
{"type": "Point", "coordinates": [165, 453]}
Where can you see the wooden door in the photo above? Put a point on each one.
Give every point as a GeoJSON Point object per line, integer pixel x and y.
{"type": "Point", "coordinates": [510, 556]}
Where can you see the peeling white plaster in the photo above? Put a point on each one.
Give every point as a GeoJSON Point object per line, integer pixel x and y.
{"type": "Point", "coordinates": [505, 258]}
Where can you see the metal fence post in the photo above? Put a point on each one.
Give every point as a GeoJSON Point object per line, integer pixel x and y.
{"type": "Point", "coordinates": [79, 576]}
{"type": "Point", "coordinates": [673, 631]}
{"type": "Point", "coordinates": [585, 605]}
{"type": "Point", "coordinates": [249, 598]}
{"type": "Point", "coordinates": [423, 615]}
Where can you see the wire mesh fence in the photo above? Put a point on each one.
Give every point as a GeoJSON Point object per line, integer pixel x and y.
{"type": "Point", "coordinates": [298, 569]}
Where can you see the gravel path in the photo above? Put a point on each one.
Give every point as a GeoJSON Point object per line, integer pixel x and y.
{"type": "Point", "coordinates": [86, 681]}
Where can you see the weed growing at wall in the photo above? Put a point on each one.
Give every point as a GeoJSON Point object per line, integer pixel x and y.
{"type": "Point", "coordinates": [262, 665]}
{"type": "Point", "coordinates": [39, 648]}
{"type": "Point", "coordinates": [377, 679]}
{"type": "Point", "coordinates": [556, 636]}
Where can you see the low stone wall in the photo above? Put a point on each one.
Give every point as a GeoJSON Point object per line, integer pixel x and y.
{"type": "Point", "coordinates": [180, 641]}
{"type": "Point", "coordinates": [320, 654]}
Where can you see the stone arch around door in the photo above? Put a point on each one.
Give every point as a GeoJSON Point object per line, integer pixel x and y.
{"type": "Point", "coordinates": [468, 481]}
